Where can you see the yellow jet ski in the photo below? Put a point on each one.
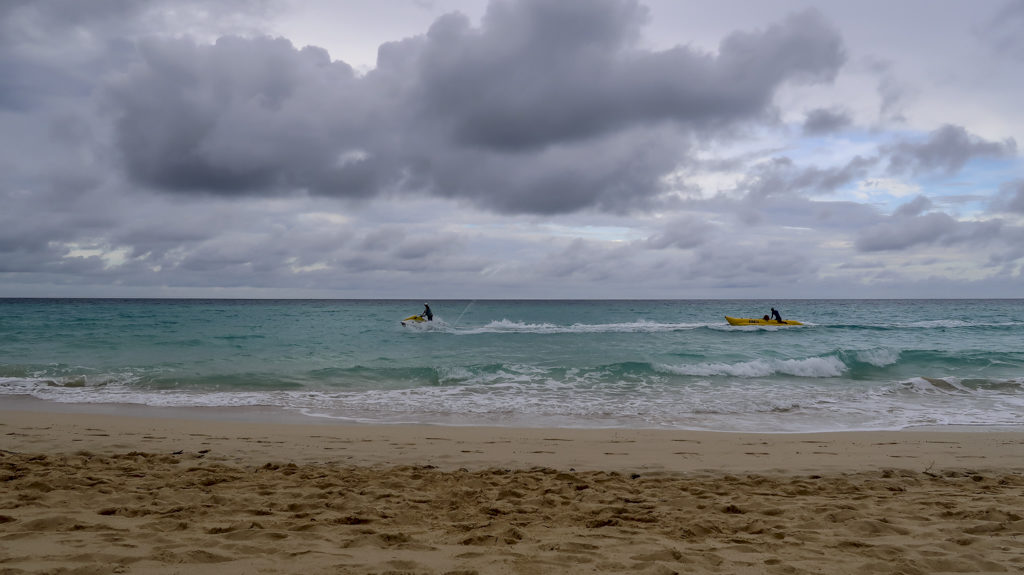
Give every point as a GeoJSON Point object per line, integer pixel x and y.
{"type": "Point", "coordinates": [759, 321]}
{"type": "Point", "coordinates": [414, 319]}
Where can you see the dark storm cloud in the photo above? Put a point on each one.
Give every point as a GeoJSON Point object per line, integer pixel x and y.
{"type": "Point", "coordinates": [59, 48]}
{"type": "Point", "coordinates": [781, 176]}
{"type": "Point", "coordinates": [823, 121]}
{"type": "Point", "coordinates": [427, 247]}
{"type": "Point", "coordinates": [547, 107]}
{"type": "Point", "coordinates": [1010, 197]}
{"type": "Point", "coordinates": [33, 222]}
{"type": "Point", "coordinates": [540, 72]}
{"type": "Point", "coordinates": [240, 116]}
{"type": "Point", "coordinates": [904, 232]}
{"type": "Point", "coordinates": [587, 261]}
{"type": "Point", "coordinates": [737, 265]}
{"type": "Point", "coordinates": [945, 152]}
{"type": "Point", "coordinates": [915, 207]}
{"type": "Point", "coordinates": [28, 76]}
{"type": "Point", "coordinates": [682, 233]}
{"type": "Point", "coordinates": [1005, 30]}
{"type": "Point", "coordinates": [912, 224]}
{"type": "Point", "coordinates": [613, 174]}
{"type": "Point", "coordinates": [96, 23]}
{"type": "Point", "coordinates": [891, 91]}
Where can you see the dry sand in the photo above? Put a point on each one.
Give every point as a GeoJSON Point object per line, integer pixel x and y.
{"type": "Point", "coordinates": [92, 493]}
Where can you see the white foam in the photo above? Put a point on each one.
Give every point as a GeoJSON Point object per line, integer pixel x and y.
{"type": "Point", "coordinates": [941, 323]}
{"type": "Point", "coordinates": [879, 357]}
{"type": "Point", "coordinates": [810, 367]}
{"type": "Point", "coordinates": [641, 326]}
{"type": "Point", "coordinates": [526, 395]}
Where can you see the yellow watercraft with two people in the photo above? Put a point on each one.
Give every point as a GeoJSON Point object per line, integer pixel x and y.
{"type": "Point", "coordinates": [759, 321]}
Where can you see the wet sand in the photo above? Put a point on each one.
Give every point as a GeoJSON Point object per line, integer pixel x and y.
{"type": "Point", "coordinates": [100, 493]}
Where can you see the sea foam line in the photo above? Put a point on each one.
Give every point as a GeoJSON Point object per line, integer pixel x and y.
{"type": "Point", "coordinates": [810, 367]}
{"type": "Point", "coordinates": [640, 326]}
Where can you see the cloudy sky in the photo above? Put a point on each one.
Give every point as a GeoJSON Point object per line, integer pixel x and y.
{"type": "Point", "coordinates": [512, 149]}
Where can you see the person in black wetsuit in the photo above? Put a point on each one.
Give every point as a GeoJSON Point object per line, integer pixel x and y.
{"type": "Point", "coordinates": [427, 313]}
{"type": "Point", "coordinates": [776, 316]}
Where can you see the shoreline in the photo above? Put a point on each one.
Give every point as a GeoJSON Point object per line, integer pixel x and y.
{"type": "Point", "coordinates": [247, 434]}
{"type": "Point", "coordinates": [272, 415]}
{"type": "Point", "coordinates": [104, 493]}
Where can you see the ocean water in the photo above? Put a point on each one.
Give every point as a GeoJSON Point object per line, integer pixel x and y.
{"type": "Point", "coordinates": [854, 365]}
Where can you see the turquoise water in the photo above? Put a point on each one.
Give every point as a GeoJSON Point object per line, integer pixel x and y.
{"type": "Point", "coordinates": [639, 364]}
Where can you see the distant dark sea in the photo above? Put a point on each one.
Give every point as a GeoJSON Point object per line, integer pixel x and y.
{"type": "Point", "coordinates": [854, 365]}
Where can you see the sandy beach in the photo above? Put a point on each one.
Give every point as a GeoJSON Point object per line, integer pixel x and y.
{"type": "Point", "coordinates": [158, 491]}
